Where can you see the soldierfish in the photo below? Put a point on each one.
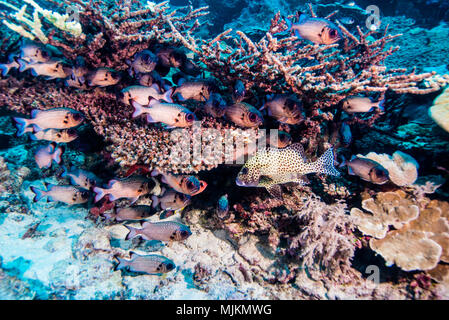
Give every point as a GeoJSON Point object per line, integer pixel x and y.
{"type": "Point", "coordinates": [244, 115]}
{"type": "Point", "coordinates": [151, 264]}
{"type": "Point", "coordinates": [34, 52]}
{"type": "Point", "coordinates": [161, 231]}
{"type": "Point", "coordinates": [56, 118]}
{"type": "Point", "coordinates": [198, 90]}
{"type": "Point", "coordinates": [5, 67]}
{"type": "Point", "coordinates": [143, 62]}
{"type": "Point", "coordinates": [79, 177]}
{"type": "Point", "coordinates": [189, 185]}
{"type": "Point", "coordinates": [148, 79]}
{"type": "Point", "coordinates": [319, 31]}
{"type": "Point", "coordinates": [45, 155]}
{"type": "Point", "coordinates": [78, 74]}
{"type": "Point", "coordinates": [367, 169]}
{"type": "Point", "coordinates": [355, 104]}
{"type": "Point", "coordinates": [58, 136]}
{"type": "Point", "coordinates": [281, 140]}
{"type": "Point", "coordinates": [53, 69]}
{"type": "Point", "coordinates": [143, 95]}
{"type": "Point", "coordinates": [132, 213]}
{"type": "Point", "coordinates": [131, 188]}
{"type": "Point", "coordinates": [170, 114]}
{"type": "Point", "coordinates": [171, 200]}
{"type": "Point", "coordinates": [271, 167]}
{"type": "Point", "coordinates": [171, 57]}
{"type": "Point", "coordinates": [103, 77]}
{"type": "Point", "coordinates": [283, 106]}
{"type": "Point", "coordinates": [215, 106]}
{"type": "Point", "coordinates": [67, 194]}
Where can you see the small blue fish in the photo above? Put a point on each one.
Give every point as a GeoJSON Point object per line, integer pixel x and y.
{"type": "Point", "coordinates": [239, 92]}
{"type": "Point", "coordinates": [223, 206]}
{"type": "Point", "coordinates": [345, 133]}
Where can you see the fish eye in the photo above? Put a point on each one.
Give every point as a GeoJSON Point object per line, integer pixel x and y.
{"type": "Point", "coordinates": [77, 116]}
{"type": "Point", "coordinates": [170, 266]}
{"type": "Point", "coordinates": [184, 233]}
{"type": "Point", "coordinates": [84, 194]}
{"type": "Point", "coordinates": [244, 170]}
{"type": "Point", "coordinates": [189, 117]}
{"type": "Point", "coordinates": [252, 117]}
{"type": "Point", "coordinates": [44, 54]}
{"type": "Point", "coordinates": [333, 33]}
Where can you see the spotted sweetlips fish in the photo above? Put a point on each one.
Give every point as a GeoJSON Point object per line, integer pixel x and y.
{"type": "Point", "coordinates": [272, 167]}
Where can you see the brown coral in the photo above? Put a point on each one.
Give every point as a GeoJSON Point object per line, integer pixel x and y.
{"type": "Point", "coordinates": [388, 209]}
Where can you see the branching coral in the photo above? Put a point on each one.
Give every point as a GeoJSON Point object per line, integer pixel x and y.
{"type": "Point", "coordinates": [105, 35]}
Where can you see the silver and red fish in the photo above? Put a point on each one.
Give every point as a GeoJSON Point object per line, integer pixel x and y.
{"type": "Point", "coordinates": [198, 90]}
{"type": "Point", "coordinates": [170, 114]}
{"type": "Point", "coordinates": [47, 154]}
{"type": "Point", "coordinates": [152, 264]}
{"type": "Point", "coordinates": [356, 104]}
{"type": "Point", "coordinates": [131, 188]}
{"type": "Point", "coordinates": [316, 30]}
{"type": "Point", "coordinates": [244, 115]}
{"type": "Point", "coordinates": [54, 135]}
{"type": "Point", "coordinates": [367, 169]}
{"type": "Point", "coordinates": [143, 62]}
{"type": "Point", "coordinates": [171, 200]}
{"type": "Point", "coordinates": [103, 77]}
{"type": "Point", "coordinates": [143, 95]}
{"type": "Point", "coordinates": [52, 69]}
{"type": "Point", "coordinates": [79, 177]}
{"type": "Point", "coordinates": [34, 53]}
{"type": "Point", "coordinates": [132, 213]}
{"type": "Point", "coordinates": [56, 118]}
{"type": "Point", "coordinates": [67, 194]}
{"type": "Point", "coordinates": [215, 106]}
{"type": "Point", "coordinates": [285, 108]}
{"type": "Point", "coordinates": [189, 185]}
{"type": "Point", "coordinates": [161, 231]}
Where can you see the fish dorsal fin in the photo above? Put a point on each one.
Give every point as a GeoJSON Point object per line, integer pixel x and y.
{"type": "Point", "coordinates": [132, 254]}
{"type": "Point", "coordinates": [297, 147]}
{"type": "Point", "coordinates": [34, 113]}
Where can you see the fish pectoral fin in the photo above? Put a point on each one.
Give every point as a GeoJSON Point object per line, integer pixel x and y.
{"type": "Point", "coordinates": [275, 190]}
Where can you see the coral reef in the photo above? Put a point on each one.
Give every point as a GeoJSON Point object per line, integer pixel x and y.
{"type": "Point", "coordinates": [304, 246]}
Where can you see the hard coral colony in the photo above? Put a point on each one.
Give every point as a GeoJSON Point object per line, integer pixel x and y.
{"type": "Point", "coordinates": [167, 123]}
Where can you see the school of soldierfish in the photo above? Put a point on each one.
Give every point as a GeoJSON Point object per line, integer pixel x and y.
{"type": "Point", "coordinates": [159, 99]}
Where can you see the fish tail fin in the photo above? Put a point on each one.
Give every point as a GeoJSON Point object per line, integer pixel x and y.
{"type": "Point", "coordinates": [22, 65]}
{"type": "Point", "coordinates": [132, 233]}
{"type": "Point", "coordinates": [154, 201]}
{"type": "Point", "coordinates": [99, 193]}
{"type": "Point", "coordinates": [21, 124]}
{"type": "Point", "coordinates": [5, 69]}
{"type": "Point", "coordinates": [289, 23]}
{"type": "Point", "coordinates": [343, 163]}
{"type": "Point", "coordinates": [138, 109]}
{"type": "Point", "coordinates": [167, 96]}
{"type": "Point", "coordinates": [381, 105]}
{"type": "Point", "coordinates": [325, 164]}
{"type": "Point", "coordinates": [122, 263]}
{"type": "Point", "coordinates": [64, 172]}
{"type": "Point", "coordinates": [57, 155]}
{"type": "Point", "coordinates": [38, 193]}
{"type": "Point", "coordinates": [155, 172]}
